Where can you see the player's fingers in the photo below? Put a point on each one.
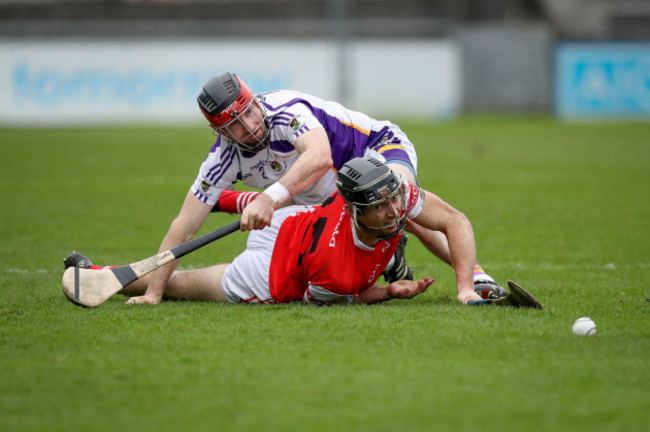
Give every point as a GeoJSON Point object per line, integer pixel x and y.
{"type": "Point", "coordinates": [467, 297]}
{"type": "Point", "coordinates": [421, 285]}
{"type": "Point", "coordinates": [250, 221]}
{"type": "Point", "coordinates": [412, 289]}
{"type": "Point", "coordinates": [140, 300]}
{"type": "Point", "coordinates": [260, 221]}
{"type": "Point", "coordinates": [267, 221]}
{"type": "Point", "coordinates": [258, 224]}
{"type": "Point", "coordinates": [254, 220]}
{"type": "Point", "coordinates": [245, 219]}
{"type": "Point", "coordinates": [418, 289]}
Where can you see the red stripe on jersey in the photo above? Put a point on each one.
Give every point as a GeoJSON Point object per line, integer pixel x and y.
{"type": "Point", "coordinates": [318, 247]}
{"type": "Point", "coordinates": [235, 201]}
{"type": "Point", "coordinates": [412, 196]}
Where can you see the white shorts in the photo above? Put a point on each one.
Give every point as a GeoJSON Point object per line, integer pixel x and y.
{"type": "Point", "coordinates": [246, 280]}
{"type": "Point", "coordinates": [406, 156]}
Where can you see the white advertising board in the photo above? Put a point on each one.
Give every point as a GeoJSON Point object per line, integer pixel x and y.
{"type": "Point", "coordinates": [414, 79]}
{"type": "Point", "coordinates": [96, 82]}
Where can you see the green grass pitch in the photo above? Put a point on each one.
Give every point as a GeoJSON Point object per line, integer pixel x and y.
{"type": "Point", "coordinates": [564, 209]}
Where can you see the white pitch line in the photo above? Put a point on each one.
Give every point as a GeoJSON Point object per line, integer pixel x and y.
{"type": "Point", "coordinates": [19, 270]}
{"type": "Point", "coordinates": [561, 267]}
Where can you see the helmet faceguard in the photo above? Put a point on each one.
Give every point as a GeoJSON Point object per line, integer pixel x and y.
{"type": "Point", "coordinates": [368, 185]}
{"type": "Point", "coordinates": [234, 111]}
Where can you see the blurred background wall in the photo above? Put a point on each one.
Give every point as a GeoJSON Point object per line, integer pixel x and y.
{"type": "Point", "coordinates": [103, 61]}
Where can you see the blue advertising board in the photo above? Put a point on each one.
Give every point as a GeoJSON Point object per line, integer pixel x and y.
{"type": "Point", "coordinates": [602, 80]}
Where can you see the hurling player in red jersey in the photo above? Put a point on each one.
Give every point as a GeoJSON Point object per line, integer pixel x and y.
{"type": "Point", "coordinates": [337, 253]}
{"type": "Point", "coordinates": [333, 253]}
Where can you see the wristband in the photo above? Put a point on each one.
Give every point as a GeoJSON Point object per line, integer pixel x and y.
{"type": "Point", "coordinates": [278, 192]}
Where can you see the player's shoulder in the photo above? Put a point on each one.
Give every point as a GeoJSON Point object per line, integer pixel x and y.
{"type": "Point", "coordinates": [414, 197]}
{"type": "Point", "coordinates": [284, 100]}
{"type": "Point", "coordinates": [222, 149]}
{"type": "Point", "coordinates": [334, 202]}
{"type": "Point", "coordinates": [330, 212]}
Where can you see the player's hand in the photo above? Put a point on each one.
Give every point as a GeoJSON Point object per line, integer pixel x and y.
{"type": "Point", "coordinates": [467, 296]}
{"type": "Point", "coordinates": [405, 289]}
{"type": "Point", "coordinates": [144, 299]}
{"type": "Point", "coordinates": [258, 214]}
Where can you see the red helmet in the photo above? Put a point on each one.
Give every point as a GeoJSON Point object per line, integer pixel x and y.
{"type": "Point", "coordinates": [223, 100]}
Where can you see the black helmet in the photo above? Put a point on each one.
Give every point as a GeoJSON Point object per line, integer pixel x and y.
{"type": "Point", "coordinates": [365, 182]}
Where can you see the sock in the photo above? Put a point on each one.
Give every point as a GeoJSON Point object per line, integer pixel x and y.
{"type": "Point", "coordinates": [480, 275]}
{"type": "Point", "coordinates": [234, 202]}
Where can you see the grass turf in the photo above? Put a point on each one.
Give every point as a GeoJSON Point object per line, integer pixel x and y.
{"type": "Point", "coordinates": [561, 208]}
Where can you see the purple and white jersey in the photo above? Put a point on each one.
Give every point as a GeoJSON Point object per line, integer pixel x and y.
{"type": "Point", "coordinates": [290, 114]}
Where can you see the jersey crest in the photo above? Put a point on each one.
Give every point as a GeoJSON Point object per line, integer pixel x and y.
{"type": "Point", "coordinates": [277, 166]}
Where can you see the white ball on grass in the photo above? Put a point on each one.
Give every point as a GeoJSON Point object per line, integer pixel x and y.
{"type": "Point", "coordinates": [584, 327]}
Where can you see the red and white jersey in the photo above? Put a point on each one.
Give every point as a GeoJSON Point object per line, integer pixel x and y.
{"type": "Point", "coordinates": [317, 257]}
{"type": "Point", "coordinates": [318, 248]}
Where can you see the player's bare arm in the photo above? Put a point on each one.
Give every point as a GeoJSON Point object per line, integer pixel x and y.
{"type": "Point", "coordinates": [314, 161]}
{"type": "Point", "coordinates": [403, 289]}
{"type": "Point", "coordinates": [192, 215]}
{"type": "Point", "coordinates": [440, 216]}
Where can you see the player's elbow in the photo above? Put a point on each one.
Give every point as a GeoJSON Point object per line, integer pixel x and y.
{"type": "Point", "coordinates": [462, 221]}
{"type": "Point", "coordinates": [323, 160]}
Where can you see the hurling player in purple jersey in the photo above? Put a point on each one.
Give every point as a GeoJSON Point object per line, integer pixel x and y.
{"type": "Point", "coordinates": [290, 144]}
